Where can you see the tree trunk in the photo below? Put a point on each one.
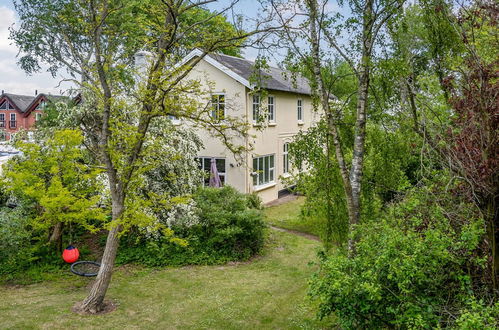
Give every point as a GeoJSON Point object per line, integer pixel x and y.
{"type": "Point", "coordinates": [324, 99]}
{"type": "Point", "coordinates": [94, 303]}
{"type": "Point", "coordinates": [56, 236]}
{"type": "Point", "coordinates": [356, 172]}
{"type": "Point", "coordinates": [492, 218]}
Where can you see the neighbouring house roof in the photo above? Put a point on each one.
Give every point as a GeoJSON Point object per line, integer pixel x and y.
{"type": "Point", "coordinates": [242, 70]}
{"type": "Point", "coordinates": [20, 102]}
{"type": "Point", "coordinates": [25, 103]}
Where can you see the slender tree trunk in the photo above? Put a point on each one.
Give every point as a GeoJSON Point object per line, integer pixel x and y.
{"type": "Point", "coordinates": [94, 303]}
{"type": "Point", "coordinates": [492, 219]}
{"type": "Point", "coordinates": [356, 172]}
{"type": "Point", "coordinates": [56, 236]}
{"type": "Point", "coordinates": [324, 99]}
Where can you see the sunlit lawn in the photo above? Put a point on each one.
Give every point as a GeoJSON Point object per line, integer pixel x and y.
{"type": "Point", "coordinates": [266, 293]}
{"type": "Point", "coordinates": [287, 216]}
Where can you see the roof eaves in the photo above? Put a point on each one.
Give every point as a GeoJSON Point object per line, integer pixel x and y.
{"type": "Point", "coordinates": [197, 53]}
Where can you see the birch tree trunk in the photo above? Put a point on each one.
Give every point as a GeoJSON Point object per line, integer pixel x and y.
{"type": "Point", "coordinates": [352, 180]}
{"type": "Point", "coordinates": [356, 171]}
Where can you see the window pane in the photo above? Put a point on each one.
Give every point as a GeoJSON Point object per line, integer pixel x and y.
{"type": "Point", "coordinates": [266, 171]}
{"type": "Point", "coordinates": [220, 165]}
{"type": "Point", "coordinates": [271, 175]}
{"type": "Point", "coordinates": [261, 168]}
{"type": "Point", "coordinates": [271, 161]}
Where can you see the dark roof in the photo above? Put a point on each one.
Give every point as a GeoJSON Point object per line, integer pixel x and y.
{"type": "Point", "coordinates": [24, 102]}
{"type": "Point", "coordinates": [272, 78]}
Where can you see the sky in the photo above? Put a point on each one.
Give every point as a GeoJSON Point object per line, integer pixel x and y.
{"type": "Point", "coordinates": [14, 80]}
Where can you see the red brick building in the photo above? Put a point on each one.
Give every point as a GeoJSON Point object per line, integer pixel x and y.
{"type": "Point", "coordinates": [21, 112]}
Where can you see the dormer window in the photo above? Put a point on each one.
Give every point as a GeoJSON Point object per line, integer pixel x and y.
{"type": "Point", "coordinates": [41, 106]}
{"type": "Point", "coordinates": [6, 106]}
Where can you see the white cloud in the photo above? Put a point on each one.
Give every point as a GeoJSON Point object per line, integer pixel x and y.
{"type": "Point", "coordinates": [12, 78]}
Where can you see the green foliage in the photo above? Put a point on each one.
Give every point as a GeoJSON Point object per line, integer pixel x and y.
{"type": "Point", "coordinates": [390, 166]}
{"type": "Point", "coordinates": [230, 227]}
{"type": "Point", "coordinates": [478, 315]}
{"type": "Point", "coordinates": [52, 178]}
{"type": "Point", "coordinates": [15, 252]}
{"type": "Point", "coordinates": [409, 268]}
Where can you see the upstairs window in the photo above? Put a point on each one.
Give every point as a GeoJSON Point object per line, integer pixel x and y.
{"type": "Point", "coordinates": [263, 170]}
{"type": "Point", "coordinates": [218, 107]}
{"type": "Point", "coordinates": [12, 123]}
{"type": "Point", "coordinates": [38, 116]}
{"type": "Point", "coordinates": [271, 109]}
{"type": "Point", "coordinates": [256, 108]}
{"type": "Point", "coordinates": [299, 110]}
{"type": "Point", "coordinates": [41, 106]}
{"type": "Point", "coordinates": [285, 158]}
{"type": "Point", "coordinates": [6, 106]}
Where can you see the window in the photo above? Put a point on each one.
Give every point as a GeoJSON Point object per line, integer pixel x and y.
{"type": "Point", "coordinates": [271, 109]}
{"type": "Point", "coordinates": [174, 119]}
{"type": "Point", "coordinates": [4, 136]}
{"type": "Point", "coordinates": [41, 106]}
{"type": "Point", "coordinates": [299, 110]}
{"type": "Point", "coordinates": [256, 108]}
{"type": "Point", "coordinates": [2, 120]}
{"type": "Point", "coordinates": [38, 116]}
{"type": "Point", "coordinates": [218, 106]}
{"type": "Point", "coordinates": [205, 165]}
{"type": "Point", "coordinates": [263, 170]}
{"type": "Point", "coordinates": [12, 123]}
{"type": "Point", "coordinates": [285, 158]}
{"type": "Point", "coordinates": [6, 106]}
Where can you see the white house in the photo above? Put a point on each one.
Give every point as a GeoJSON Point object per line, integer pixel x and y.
{"type": "Point", "coordinates": [289, 110]}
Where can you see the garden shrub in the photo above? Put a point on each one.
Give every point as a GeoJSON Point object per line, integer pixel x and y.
{"type": "Point", "coordinates": [229, 227]}
{"type": "Point", "coordinates": [409, 270]}
{"type": "Point", "coordinates": [24, 257]}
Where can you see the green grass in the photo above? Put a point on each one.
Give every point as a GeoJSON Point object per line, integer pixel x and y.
{"type": "Point", "coordinates": [288, 216]}
{"type": "Point", "coordinates": [267, 293]}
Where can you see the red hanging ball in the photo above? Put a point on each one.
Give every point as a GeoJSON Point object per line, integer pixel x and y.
{"type": "Point", "coordinates": [70, 254]}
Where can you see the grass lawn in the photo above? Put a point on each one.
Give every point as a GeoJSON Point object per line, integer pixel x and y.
{"type": "Point", "coordinates": [266, 293]}
{"type": "Point", "coordinates": [287, 216]}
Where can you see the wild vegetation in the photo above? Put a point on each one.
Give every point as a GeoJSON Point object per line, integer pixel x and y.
{"type": "Point", "coordinates": [400, 175]}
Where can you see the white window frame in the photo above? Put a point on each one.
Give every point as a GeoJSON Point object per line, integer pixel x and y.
{"type": "Point", "coordinates": [38, 116]}
{"type": "Point", "coordinates": [299, 110]}
{"type": "Point", "coordinates": [3, 122]}
{"type": "Point", "coordinates": [256, 107]}
{"type": "Point", "coordinates": [215, 106]}
{"type": "Point", "coordinates": [263, 170]}
{"type": "Point", "coordinates": [271, 109]}
{"type": "Point", "coordinates": [285, 158]}
{"type": "Point", "coordinates": [13, 115]}
{"type": "Point", "coordinates": [222, 175]}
